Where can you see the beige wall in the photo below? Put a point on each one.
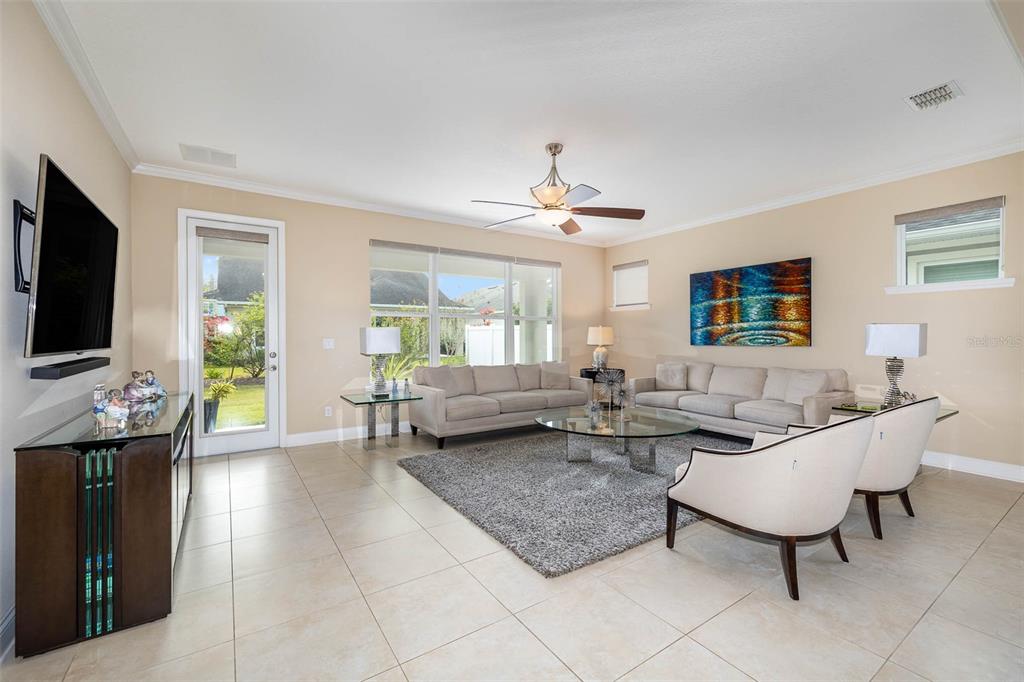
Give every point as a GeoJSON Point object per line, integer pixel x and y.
{"type": "Point", "coordinates": [327, 284]}
{"type": "Point", "coordinates": [45, 111]}
{"type": "Point", "coordinates": [851, 241]}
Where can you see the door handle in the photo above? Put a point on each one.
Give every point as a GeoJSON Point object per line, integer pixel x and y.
{"type": "Point", "coordinates": [273, 355]}
{"type": "Point", "coordinates": [273, 368]}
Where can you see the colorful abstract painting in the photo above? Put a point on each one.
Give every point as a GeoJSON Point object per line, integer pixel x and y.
{"type": "Point", "coordinates": [755, 305]}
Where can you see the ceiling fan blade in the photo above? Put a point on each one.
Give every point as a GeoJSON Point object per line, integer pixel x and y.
{"type": "Point", "coordinates": [624, 213]}
{"type": "Point", "coordinates": [503, 203]}
{"type": "Point", "coordinates": [578, 194]}
{"type": "Point", "coordinates": [570, 226]}
{"type": "Point", "coordinates": [528, 215]}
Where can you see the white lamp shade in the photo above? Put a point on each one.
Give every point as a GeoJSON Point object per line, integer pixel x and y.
{"type": "Point", "coordinates": [600, 336]}
{"type": "Point", "coordinates": [380, 340]}
{"type": "Point", "coordinates": [896, 340]}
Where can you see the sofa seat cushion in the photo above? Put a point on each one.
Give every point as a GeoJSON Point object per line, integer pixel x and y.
{"type": "Point", "coordinates": [518, 401]}
{"type": "Point", "coordinates": [774, 412]}
{"type": "Point", "coordinates": [668, 399]}
{"type": "Point", "coordinates": [470, 407]}
{"type": "Point", "coordinates": [561, 398]}
{"type": "Point", "coordinates": [715, 404]}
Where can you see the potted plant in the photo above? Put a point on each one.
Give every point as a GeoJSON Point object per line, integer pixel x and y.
{"type": "Point", "coordinates": [218, 390]}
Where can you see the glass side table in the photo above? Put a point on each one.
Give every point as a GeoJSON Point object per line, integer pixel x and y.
{"type": "Point", "coordinates": [371, 402]}
{"type": "Point", "coordinates": [868, 407]}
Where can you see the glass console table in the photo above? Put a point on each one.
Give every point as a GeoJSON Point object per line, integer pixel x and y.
{"type": "Point", "coordinates": [371, 402]}
{"type": "Point", "coordinates": [869, 407]}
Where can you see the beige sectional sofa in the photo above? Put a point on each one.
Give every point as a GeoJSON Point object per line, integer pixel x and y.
{"type": "Point", "coordinates": [742, 400]}
{"type": "Point", "coordinates": [470, 399]}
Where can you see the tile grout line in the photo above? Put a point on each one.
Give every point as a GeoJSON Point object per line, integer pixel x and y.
{"type": "Point", "coordinates": [939, 595]}
{"type": "Point", "coordinates": [355, 582]}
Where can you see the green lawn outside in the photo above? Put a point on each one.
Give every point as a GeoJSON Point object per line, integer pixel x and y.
{"type": "Point", "coordinates": [245, 407]}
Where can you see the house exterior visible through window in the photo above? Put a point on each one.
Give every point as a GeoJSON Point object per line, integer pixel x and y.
{"type": "Point", "coordinates": [629, 285]}
{"type": "Point", "coordinates": [957, 243]}
{"type": "Point", "coordinates": [457, 307]}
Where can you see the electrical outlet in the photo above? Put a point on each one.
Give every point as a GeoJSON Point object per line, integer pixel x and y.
{"type": "Point", "coordinates": [328, 411]}
{"type": "Point", "coordinates": [328, 343]}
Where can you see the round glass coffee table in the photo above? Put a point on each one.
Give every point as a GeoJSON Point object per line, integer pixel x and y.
{"type": "Point", "coordinates": [639, 429]}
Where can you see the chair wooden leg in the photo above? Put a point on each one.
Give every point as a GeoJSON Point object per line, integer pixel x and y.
{"type": "Point", "coordinates": [787, 552]}
{"type": "Point", "coordinates": [905, 499]}
{"type": "Point", "coordinates": [871, 500]}
{"type": "Point", "coordinates": [670, 525]}
{"type": "Point", "coordinates": [440, 443]}
{"type": "Point", "coordinates": [837, 540]}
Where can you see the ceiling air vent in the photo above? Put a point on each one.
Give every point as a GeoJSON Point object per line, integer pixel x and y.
{"type": "Point", "coordinates": [933, 97]}
{"type": "Point", "coordinates": [207, 155]}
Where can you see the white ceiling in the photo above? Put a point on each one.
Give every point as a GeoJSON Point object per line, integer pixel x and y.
{"type": "Point", "coordinates": [692, 111]}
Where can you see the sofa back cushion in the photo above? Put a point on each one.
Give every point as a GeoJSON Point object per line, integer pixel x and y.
{"type": "Point", "coordinates": [464, 379]}
{"type": "Point", "coordinates": [698, 375]}
{"type": "Point", "coordinates": [804, 383]}
{"type": "Point", "coordinates": [441, 377]}
{"type": "Point", "coordinates": [529, 377]}
{"type": "Point", "coordinates": [670, 376]}
{"type": "Point", "coordinates": [837, 380]}
{"type": "Point", "coordinates": [742, 381]}
{"type": "Point", "coordinates": [495, 379]}
{"type": "Point", "coordinates": [554, 375]}
{"type": "Point", "coordinates": [776, 382]}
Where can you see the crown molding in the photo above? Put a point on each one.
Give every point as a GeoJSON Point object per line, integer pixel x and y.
{"type": "Point", "coordinates": [214, 180]}
{"type": "Point", "coordinates": [57, 21]}
{"type": "Point", "coordinates": [983, 154]}
{"type": "Point", "coordinates": [1004, 26]}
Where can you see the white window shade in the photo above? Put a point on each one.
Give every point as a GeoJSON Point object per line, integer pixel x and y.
{"type": "Point", "coordinates": [629, 284]}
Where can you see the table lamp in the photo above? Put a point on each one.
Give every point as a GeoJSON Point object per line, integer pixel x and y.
{"type": "Point", "coordinates": [600, 337]}
{"type": "Point", "coordinates": [377, 342]}
{"type": "Point", "coordinates": [895, 342]}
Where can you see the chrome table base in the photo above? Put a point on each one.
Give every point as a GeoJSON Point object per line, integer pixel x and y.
{"type": "Point", "coordinates": [642, 452]}
{"type": "Point", "coordinates": [391, 437]}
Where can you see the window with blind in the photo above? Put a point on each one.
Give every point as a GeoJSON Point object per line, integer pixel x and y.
{"type": "Point", "coordinates": [629, 285]}
{"type": "Point", "coordinates": [463, 308]}
{"type": "Point", "coordinates": [957, 243]}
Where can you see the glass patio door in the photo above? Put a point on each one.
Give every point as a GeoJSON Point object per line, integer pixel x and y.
{"type": "Point", "coordinates": [235, 322]}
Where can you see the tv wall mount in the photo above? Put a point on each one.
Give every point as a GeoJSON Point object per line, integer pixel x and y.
{"type": "Point", "coordinates": [22, 214]}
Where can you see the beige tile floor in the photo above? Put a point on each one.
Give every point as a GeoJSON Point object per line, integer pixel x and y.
{"type": "Point", "coordinates": [330, 562]}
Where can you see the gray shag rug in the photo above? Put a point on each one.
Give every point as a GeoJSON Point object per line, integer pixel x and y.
{"type": "Point", "coordinates": [555, 515]}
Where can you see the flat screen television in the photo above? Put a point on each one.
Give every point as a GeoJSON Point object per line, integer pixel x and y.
{"type": "Point", "coordinates": [74, 255]}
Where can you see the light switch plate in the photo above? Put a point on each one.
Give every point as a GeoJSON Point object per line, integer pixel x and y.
{"type": "Point", "coordinates": [328, 411]}
{"type": "Point", "coordinates": [328, 343]}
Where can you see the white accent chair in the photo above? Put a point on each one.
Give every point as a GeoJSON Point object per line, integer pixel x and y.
{"type": "Point", "coordinates": [785, 488]}
{"type": "Point", "coordinates": [894, 455]}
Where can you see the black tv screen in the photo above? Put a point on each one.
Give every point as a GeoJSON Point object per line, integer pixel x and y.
{"type": "Point", "coordinates": [74, 254]}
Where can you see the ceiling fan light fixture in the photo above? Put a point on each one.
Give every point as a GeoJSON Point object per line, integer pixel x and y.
{"type": "Point", "coordinates": [549, 195]}
{"type": "Point", "coordinates": [553, 216]}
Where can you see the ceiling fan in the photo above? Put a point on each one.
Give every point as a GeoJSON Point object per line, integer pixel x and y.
{"type": "Point", "coordinates": [559, 201]}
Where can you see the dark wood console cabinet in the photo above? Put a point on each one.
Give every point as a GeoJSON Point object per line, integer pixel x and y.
{"type": "Point", "coordinates": [98, 517]}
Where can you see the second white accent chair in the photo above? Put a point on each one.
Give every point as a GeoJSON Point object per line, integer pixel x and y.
{"type": "Point", "coordinates": [785, 488]}
{"type": "Point", "coordinates": [898, 442]}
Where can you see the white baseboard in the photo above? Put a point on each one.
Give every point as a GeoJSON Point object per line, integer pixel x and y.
{"type": "Point", "coordinates": [973, 465]}
{"type": "Point", "coordinates": [334, 435]}
{"type": "Point", "coordinates": [7, 637]}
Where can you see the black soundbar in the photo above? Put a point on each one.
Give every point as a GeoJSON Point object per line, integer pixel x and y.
{"type": "Point", "coordinates": [61, 370]}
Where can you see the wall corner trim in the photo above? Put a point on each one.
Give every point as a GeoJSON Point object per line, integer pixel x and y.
{"type": "Point", "coordinates": [58, 23]}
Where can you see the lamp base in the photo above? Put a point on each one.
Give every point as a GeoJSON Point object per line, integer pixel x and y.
{"type": "Point", "coordinates": [600, 357]}
{"type": "Point", "coordinates": [894, 372]}
{"type": "Point", "coordinates": [380, 386]}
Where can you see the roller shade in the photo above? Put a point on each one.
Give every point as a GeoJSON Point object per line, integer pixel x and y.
{"type": "Point", "coordinates": [954, 214]}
